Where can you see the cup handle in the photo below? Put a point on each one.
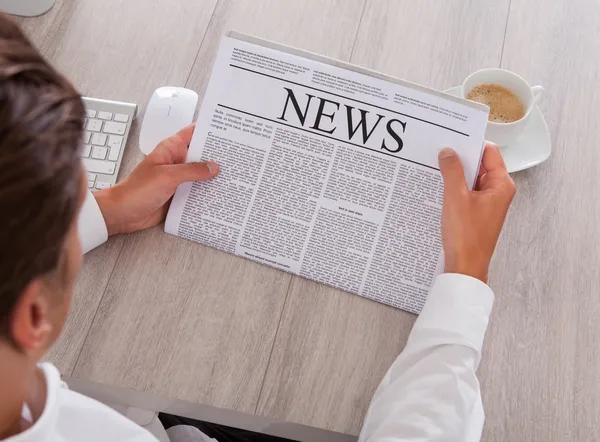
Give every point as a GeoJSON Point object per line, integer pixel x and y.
{"type": "Point", "coordinates": [537, 93]}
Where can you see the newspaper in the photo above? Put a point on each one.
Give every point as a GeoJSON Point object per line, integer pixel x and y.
{"type": "Point", "coordinates": [328, 171]}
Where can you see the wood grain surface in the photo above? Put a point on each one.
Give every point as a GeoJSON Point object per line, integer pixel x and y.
{"type": "Point", "coordinates": [541, 367]}
{"type": "Point", "coordinates": [156, 313]}
{"type": "Point", "coordinates": [178, 321]}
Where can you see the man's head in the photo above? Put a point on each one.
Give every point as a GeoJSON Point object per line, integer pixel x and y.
{"type": "Point", "coordinates": [41, 190]}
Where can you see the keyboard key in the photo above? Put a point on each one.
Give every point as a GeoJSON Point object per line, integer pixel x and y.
{"type": "Point", "coordinates": [101, 185]}
{"type": "Point", "coordinates": [94, 125]}
{"type": "Point", "coordinates": [111, 127]}
{"type": "Point", "coordinates": [86, 137]}
{"type": "Point", "coordinates": [86, 151]}
{"type": "Point", "coordinates": [121, 118]}
{"type": "Point", "coordinates": [91, 177]}
{"type": "Point", "coordinates": [99, 152]}
{"type": "Point", "coordinates": [105, 115]}
{"type": "Point", "coordinates": [115, 141]}
{"type": "Point", "coordinates": [99, 139]}
{"type": "Point", "coordinates": [90, 113]}
{"type": "Point", "coordinates": [90, 184]}
{"type": "Point", "coordinates": [114, 153]}
{"type": "Point", "coordinates": [97, 166]}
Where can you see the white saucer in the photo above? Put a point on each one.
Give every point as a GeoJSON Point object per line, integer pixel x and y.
{"type": "Point", "coordinates": [531, 148]}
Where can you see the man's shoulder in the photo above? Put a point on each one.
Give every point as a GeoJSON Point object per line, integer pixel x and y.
{"type": "Point", "coordinates": [79, 417]}
{"type": "Point", "coordinates": [84, 418]}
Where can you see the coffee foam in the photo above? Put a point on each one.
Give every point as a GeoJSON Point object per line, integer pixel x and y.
{"type": "Point", "coordinates": [505, 105]}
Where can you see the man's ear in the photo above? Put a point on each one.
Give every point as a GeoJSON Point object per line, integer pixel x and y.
{"type": "Point", "coordinates": [30, 323]}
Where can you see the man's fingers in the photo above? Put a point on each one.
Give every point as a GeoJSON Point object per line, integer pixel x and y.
{"type": "Point", "coordinates": [193, 171]}
{"type": "Point", "coordinates": [482, 182]}
{"type": "Point", "coordinates": [496, 176]}
{"type": "Point", "coordinates": [185, 134]}
{"type": "Point", "coordinates": [452, 172]}
{"type": "Point", "coordinates": [492, 159]}
{"type": "Point", "coordinates": [173, 150]}
{"type": "Point", "coordinates": [482, 170]}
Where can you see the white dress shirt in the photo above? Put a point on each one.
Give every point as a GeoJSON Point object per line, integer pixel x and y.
{"type": "Point", "coordinates": [92, 228]}
{"type": "Point", "coordinates": [430, 393]}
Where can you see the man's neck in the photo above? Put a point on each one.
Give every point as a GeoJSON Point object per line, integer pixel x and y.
{"type": "Point", "coordinates": [20, 383]}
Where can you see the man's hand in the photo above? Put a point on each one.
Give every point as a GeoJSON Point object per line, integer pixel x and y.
{"type": "Point", "coordinates": [142, 199]}
{"type": "Point", "coordinates": [472, 221]}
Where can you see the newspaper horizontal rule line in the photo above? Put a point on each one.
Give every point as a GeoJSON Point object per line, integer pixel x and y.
{"type": "Point", "coordinates": [349, 98]}
{"type": "Point", "coordinates": [326, 136]}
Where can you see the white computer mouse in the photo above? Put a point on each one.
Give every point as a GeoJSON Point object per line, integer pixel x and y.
{"type": "Point", "coordinates": [170, 109]}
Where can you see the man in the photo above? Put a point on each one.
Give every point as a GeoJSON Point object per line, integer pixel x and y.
{"type": "Point", "coordinates": [430, 392]}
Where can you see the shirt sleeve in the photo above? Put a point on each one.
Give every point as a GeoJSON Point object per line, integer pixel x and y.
{"type": "Point", "coordinates": [92, 228]}
{"type": "Point", "coordinates": [431, 391]}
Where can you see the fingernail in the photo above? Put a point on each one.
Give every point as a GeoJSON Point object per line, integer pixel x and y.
{"type": "Point", "coordinates": [446, 152]}
{"type": "Point", "coordinates": [492, 145]}
{"type": "Point", "coordinates": [213, 167]}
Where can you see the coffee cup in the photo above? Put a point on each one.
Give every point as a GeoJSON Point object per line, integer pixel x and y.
{"type": "Point", "coordinates": [499, 132]}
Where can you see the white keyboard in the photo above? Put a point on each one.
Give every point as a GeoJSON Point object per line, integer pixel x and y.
{"type": "Point", "coordinates": [107, 127]}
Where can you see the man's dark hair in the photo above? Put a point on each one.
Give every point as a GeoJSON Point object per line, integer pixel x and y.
{"type": "Point", "coordinates": [41, 125]}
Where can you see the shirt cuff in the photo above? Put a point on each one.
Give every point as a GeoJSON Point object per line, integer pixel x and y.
{"type": "Point", "coordinates": [92, 228]}
{"type": "Point", "coordinates": [458, 305]}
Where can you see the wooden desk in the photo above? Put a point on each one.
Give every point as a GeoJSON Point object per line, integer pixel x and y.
{"type": "Point", "coordinates": [162, 315]}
